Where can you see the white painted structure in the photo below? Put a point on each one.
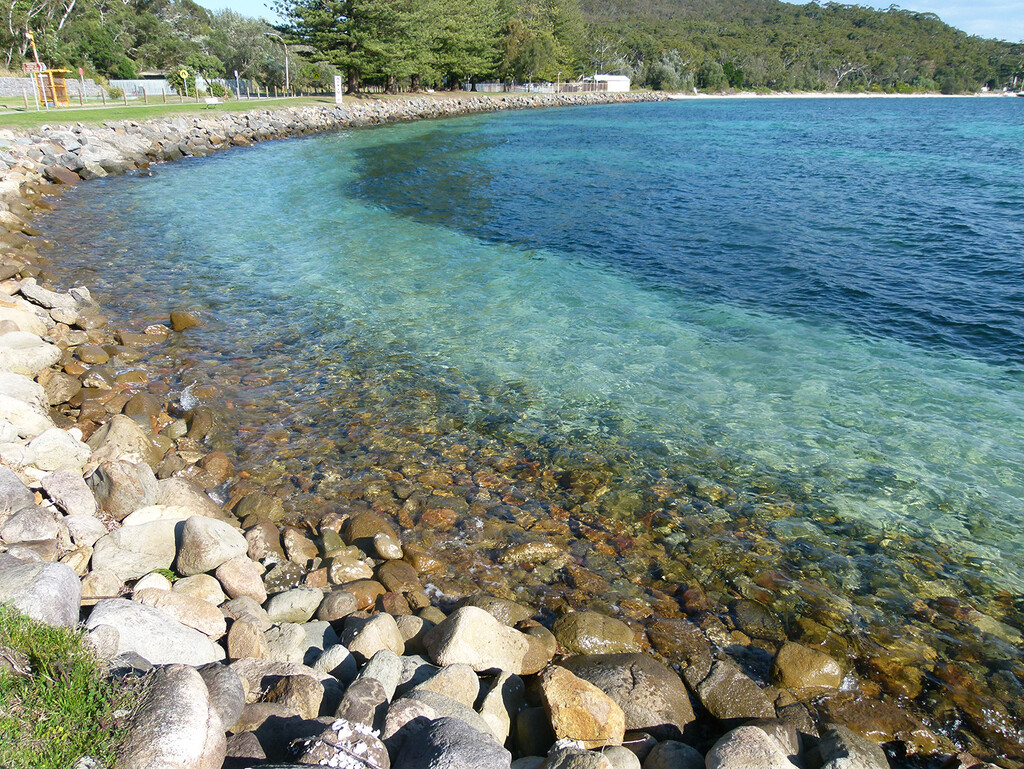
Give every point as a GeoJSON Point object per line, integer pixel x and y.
{"type": "Point", "coordinates": [616, 83]}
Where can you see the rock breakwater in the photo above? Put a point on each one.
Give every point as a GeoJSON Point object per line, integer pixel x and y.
{"type": "Point", "coordinates": [266, 642]}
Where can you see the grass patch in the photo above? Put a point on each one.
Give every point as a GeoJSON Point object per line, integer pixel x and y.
{"type": "Point", "coordinates": [138, 111]}
{"type": "Point", "coordinates": [63, 709]}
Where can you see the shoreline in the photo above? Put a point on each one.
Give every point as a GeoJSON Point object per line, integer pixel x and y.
{"type": "Point", "coordinates": [270, 125]}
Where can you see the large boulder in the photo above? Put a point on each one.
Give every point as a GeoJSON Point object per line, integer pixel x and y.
{"type": "Point", "coordinates": [731, 695]}
{"type": "Point", "coordinates": [346, 744]}
{"type": "Point", "coordinates": [70, 492]}
{"type": "Point", "coordinates": [366, 637]}
{"type": "Point", "coordinates": [227, 696]}
{"type": "Point", "coordinates": [27, 419]}
{"type": "Point", "coordinates": [48, 592]}
{"type": "Point", "coordinates": [841, 748]}
{"type": "Point", "coordinates": [580, 711]}
{"type": "Point", "coordinates": [295, 605]}
{"type": "Point", "coordinates": [587, 632]}
{"type": "Point", "coordinates": [154, 635]}
{"type": "Point", "coordinates": [56, 450]}
{"type": "Point", "coordinates": [122, 487]}
{"type": "Point", "coordinates": [14, 493]}
{"type": "Point", "coordinates": [30, 525]}
{"type": "Point", "coordinates": [473, 636]}
{"type": "Point", "coordinates": [746, 747]}
{"type": "Point", "coordinates": [652, 697]}
{"type": "Point", "coordinates": [189, 611]}
{"type": "Point", "coordinates": [452, 744]}
{"type": "Point", "coordinates": [799, 667]}
{"type": "Point", "coordinates": [134, 551]}
{"type": "Point", "coordinates": [25, 353]}
{"type": "Point", "coordinates": [206, 543]}
{"type": "Point", "coordinates": [175, 726]}
{"type": "Point", "coordinates": [242, 576]}
{"type": "Point", "coordinates": [181, 492]}
{"type": "Point", "coordinates": [122, 438]}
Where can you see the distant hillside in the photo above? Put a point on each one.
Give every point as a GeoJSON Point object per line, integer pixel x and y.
{"type": "Point", "coordinates": [667, 44]}
{"type": "Point", "coordinates": [779, 46]}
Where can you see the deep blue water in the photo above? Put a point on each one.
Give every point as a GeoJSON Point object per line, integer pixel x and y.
{"type": "Point", "coordinates": [891, 218]}
{"type": "Point", "coordinates": [798, 322]}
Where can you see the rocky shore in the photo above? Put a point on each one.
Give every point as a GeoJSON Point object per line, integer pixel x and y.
{"type": "Point", "coordinates": [268, 644]}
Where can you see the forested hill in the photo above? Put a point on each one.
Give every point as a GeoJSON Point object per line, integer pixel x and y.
{"type": "Point", "coordinates": [668, 44]}
{"type": "Point", "coordinates": [779, 46]}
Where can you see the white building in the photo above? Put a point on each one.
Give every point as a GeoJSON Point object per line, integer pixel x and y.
{"type": "Point", "coordinates": [616, 83]}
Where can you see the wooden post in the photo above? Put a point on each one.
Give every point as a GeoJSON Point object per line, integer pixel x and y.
{"type": "Point", "coordinates": [81, 100]}
{"type": "Point", "coordinates": [103, 95]}
{"type": "Point", "coordinates": [163, 93]}
{"type": "Point", "coordinates": [124, 97]}
{"type": "Point", "coordinates": [145, 96]}
{"type": "Point", "coordinates": [24, 93]}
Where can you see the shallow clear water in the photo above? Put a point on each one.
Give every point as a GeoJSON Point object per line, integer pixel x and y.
{"type": "Point", "coordinates": [808, 306]}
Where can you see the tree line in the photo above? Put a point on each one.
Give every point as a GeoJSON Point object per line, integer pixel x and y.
{"type": "Point", "coordinates": [411, 44]}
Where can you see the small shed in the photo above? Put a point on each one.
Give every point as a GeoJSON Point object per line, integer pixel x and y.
{"type": "Point", "coordinates": [615, 83]}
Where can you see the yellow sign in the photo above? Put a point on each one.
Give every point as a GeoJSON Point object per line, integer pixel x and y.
{"type": "Point", "coordinates": [183, 73]}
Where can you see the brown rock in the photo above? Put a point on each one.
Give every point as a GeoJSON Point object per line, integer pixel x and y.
{"type": "Point", "coordinates": [399, 577]}
{"type": "Point", "coordinates": [245, 639]}
{"type": "Point", "coordinates": [241, 576]}
{"type": "Point", "coordinates": [301, 693]}
{"type": "Point", "coordinates": [298, 547]}
{"type": "Point", "coordinates": [578, 710]}
{"type": "Point", "coordinates": [587, 632]}
{"type": "Point", "coordinates": [182, 320]}
{"type": "Point", "coordinates": [91, 353]}
{"type": "Point", "coordinates": [366, 592]}
{"type": "Point", "coordinates": [798, 667]}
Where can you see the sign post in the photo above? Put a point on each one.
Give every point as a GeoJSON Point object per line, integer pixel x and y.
{"type": "Point", "coordinates": [337, 89]}
{"type": "Point", "coordinates": [81, 82]}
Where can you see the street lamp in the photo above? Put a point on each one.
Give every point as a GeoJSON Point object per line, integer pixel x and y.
{"type": "Point", "coordinates": [287, 78]}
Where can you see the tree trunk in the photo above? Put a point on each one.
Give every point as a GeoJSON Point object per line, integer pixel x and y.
{"type": "Point", "coordinates": [392, 86]}
{"type": "Point", "coordinates": [414, 83]}
{"type": "Point", "coordinates": [455, 83]}
{"type": "Point", "coordinates": [353, 82]}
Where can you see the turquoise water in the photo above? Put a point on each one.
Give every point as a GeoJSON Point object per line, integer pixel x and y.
{"type": "Point", "coordinates": [800, 319]}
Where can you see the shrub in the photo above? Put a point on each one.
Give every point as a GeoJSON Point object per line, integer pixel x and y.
{"type": "Point", "coordinates": [114, 92]}
{"type": "Point", "coordinates": [219, 90]}
{"type": "Point", "coordinates": [56, 706]}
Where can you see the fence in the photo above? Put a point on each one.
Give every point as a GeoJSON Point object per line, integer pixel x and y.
{"type": "Point", "coordinates": [574, 86]}
{"type": "Point", "coordinates": [160, 86]}
{"type": "Point", "coordinates": [16, 86]}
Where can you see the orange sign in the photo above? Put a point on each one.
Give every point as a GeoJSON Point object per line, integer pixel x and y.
{"type": "Point", "coordinates": [33, 66]}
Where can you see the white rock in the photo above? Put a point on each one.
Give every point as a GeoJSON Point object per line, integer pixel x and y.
{"type": "Point", "coordinates": [48, 592]}
{"type": "Point", "coordinates": [134, 551]}
{"type": "Point", "coordinates": [206, 543]}
{"type": "Point", "coordinates": [153, 581]}
{"type": "Point", "coordinates": [175, 727]}
{"type": "Point", "coordinates": [28, 420]}
{"type": "Point", "coordinates": [56, 450]}
{"type": "Point", "coordinates": [154, 635]}
{"type": "Point", "coordinates": [745, 747]}
{"type": "Point", "coordinates": [24, 353]}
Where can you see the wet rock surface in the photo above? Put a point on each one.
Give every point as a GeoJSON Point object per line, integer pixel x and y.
{"type": "Point", "coordinates": [571, 553]}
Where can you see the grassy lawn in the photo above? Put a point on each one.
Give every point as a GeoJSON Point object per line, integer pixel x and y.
{"type": "Point", "coordinates": [62, 709]}
{"type": "Point", "coordinates": [16, 117]}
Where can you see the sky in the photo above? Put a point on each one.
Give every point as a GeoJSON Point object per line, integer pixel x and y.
{"type": "Point", "coordinates": [1002, 19]}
